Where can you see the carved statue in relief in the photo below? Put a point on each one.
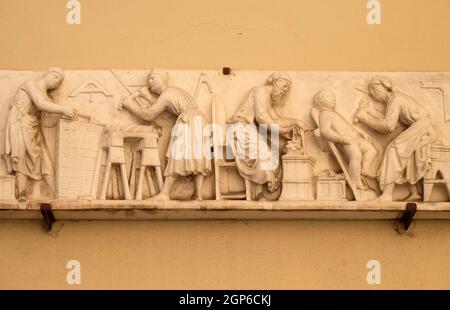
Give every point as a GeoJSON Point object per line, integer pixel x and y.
{"type": "Point", "coordinates": [25, 149]}
{"type": "Point", "coordinates": [189, 150]}
{"type": "Point", "coordinates": [257, 159]}
{"type": "Point", "coordinates": [68, 145]}
{"type": "Point", "coordinates": [357, 145]}
{"type": "Point", "coordinates": [406, 159]}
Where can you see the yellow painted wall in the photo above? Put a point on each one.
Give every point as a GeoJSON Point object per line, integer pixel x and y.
{"type": "Point", "coordinates": [209, 34]}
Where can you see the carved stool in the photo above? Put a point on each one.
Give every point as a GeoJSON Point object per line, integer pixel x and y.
{"type": "Point", "coordinates": [112, 144]}
{"type": "Point", "coordinates": [440, 165]}
{"type": "Point", "coordinates": [148, 149]}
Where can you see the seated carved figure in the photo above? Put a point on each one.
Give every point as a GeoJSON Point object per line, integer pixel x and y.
{"type": "Point", "coordinates": [355, 144]}
{"type": "Point", "coordinates": [405, 159]}
{"type": "Point", "coordinates": [257, 158]}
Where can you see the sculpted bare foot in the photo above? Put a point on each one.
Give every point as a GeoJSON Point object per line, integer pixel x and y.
{"type": "Point", "coordinates": [197, 197]}
{"type": "Point", "coordinates": [361, 186]}
{"type": "Point", "coordinates": [369, 175]}
{"type": "Point", "coordinates": [160, 197]}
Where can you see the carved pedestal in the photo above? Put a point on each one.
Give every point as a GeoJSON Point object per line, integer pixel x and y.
{"type": "Point", "coordinates": [7, 187]}
{"type": "Point", "coordinates": [298, 177]}
{"type": "Point", "coordinates": [331, 187]}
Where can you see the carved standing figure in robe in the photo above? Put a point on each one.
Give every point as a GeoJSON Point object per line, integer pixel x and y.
{"type": "Point", "coordinates": [189, 150]}
{"type": "Point", "coordinates": [24, 149]}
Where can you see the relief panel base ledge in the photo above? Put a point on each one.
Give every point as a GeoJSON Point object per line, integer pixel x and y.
{"type": "Point", "coordinates": [229, 210]}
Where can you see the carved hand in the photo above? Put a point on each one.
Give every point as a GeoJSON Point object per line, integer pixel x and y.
{"type": "Point", "coordinates": [286, 132]}
{"type": "Point", "coordinates": [364, 103]}
{"type": "Point", "coordinates": [301, 125]}
{"type": "Point", "coordinates": [347, 140]}
{"type": "Point", "coordinates": [124, 103]}
{"type": "Point", "coordinates": [365, 136]}
{"type": "Point", "coordinates": [361, 115]}
{"type": "Point", "coordinates": [143, 93]}
{"type": "Point", "coordinates": [365, 109]}
{"type": "Point", "coordinates": [298, 123]}
{"type": "Point", "coordinates": [69, 112]}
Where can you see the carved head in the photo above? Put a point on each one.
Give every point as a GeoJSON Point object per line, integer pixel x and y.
{"type": "Point", "coordinates": [380, 88]}
{"type": "Point", "coordinates": [325, 99]}
{"type": "Point", "coordinates": [281, 83]}
{"type": "Point", "coordinates": [158, 81]}
{"type": "Point", "coordinates": [53, 77]}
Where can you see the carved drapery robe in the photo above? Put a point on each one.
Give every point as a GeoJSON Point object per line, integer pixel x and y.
{"type": "Point", "coordinates": [254, 157]}
{"type": "Point", "coordinates": [189, 152]}
{"type": "Point", "coordinates": [406, 158]}
{"type": "Point", "coordinates": [24, 148]}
